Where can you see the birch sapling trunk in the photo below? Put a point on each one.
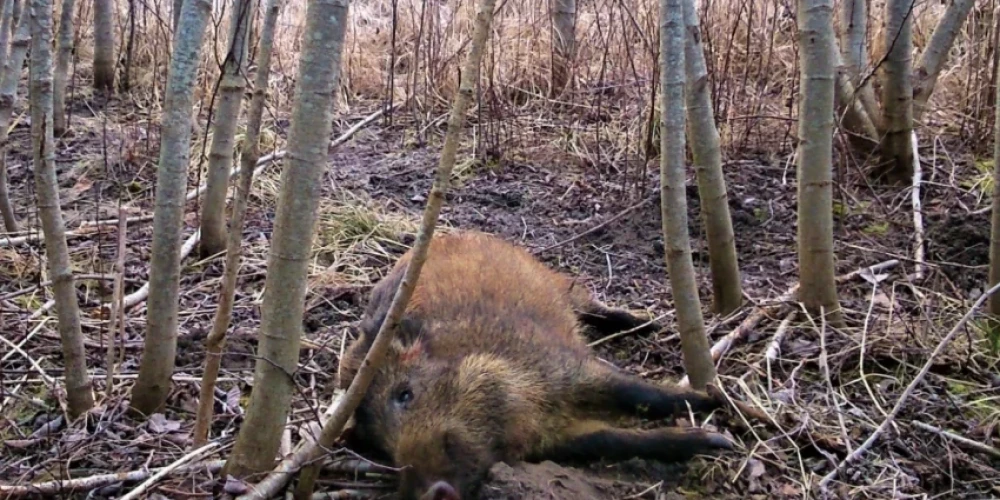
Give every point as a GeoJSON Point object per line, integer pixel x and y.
{"type": "Point", "coordinates": [727, 290]}
{"type": "Point", "coordinates": [563, 43]}
{"type": "Point", "coordinates": [220, 157]}
{"type": "Point", "coordinates": [936, 53]}
{"type": "Point", "coordinates": [8, 94]}
{"type": "Point", "coordinates": [333, 427]}
{"type": "Point", "coordinates": [818, 289]}
{"type": "Point", "coordinates": [673, 198]}
{"type": "Point", "coordinates": [160, 348]}
{"type": "Point", "coordinates": [897, 93]}
{"type": "Point", "coordinates": [79, 394]}
{"type": "Point", "coordinates": [64, 56]}
{"type": "Point", "coordinates": [291, 244]}
{"type": "Point", "coordinates": [995, 217]}
{"type": "Point", "coordinates": [6, 27]}
{"type": "Point", "coordinates": [104, 45]}
{"type": "Point", "coordinates": [223, 314]}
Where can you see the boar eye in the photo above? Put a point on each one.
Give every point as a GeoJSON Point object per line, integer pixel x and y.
{"type": "Point", "coordinates": [403, 396]}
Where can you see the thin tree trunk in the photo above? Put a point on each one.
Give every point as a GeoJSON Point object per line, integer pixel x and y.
{"type": "Point", "coordinates": [897, 93]}
{"type": "Point", "coordinates": [150, 391]}
{"type": "Point", "coordinates": [850, 106]}
{"type": "Point", "coordinates": [673, 199]}
{"type": "Point", "coordinates": [11, 10]}
{"type": "Point", "coordinates": [333, 427]}
{"type": "Point", "coordinates": [995, 236]}
{"type": "Point", "coordinates": [815, 160]}
{"type": "Point", "coordinates": [220, 157]}
{"type": "Point", "coordinates": [854, 51]}
{"type": "Point", "coordinates": [564, 43]}
{"type": "Point", "coordinates": [727, 290]}
{"type": "Point", "coordinates": [104, 44]}
{"type": "Point", "coordinates": [79, 394]}
{"type": "Point", "coordinates": [936, 53]}
{"type": "Point", "coordinates": [223, 314]}
{"type": "Point", "coordinates": [64, 55]}
{"type": "Point", "coordinates": [291, 244]}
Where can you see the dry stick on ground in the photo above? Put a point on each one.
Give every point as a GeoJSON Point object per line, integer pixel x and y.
{"type": "Point", "coordinates": [781, 306]}
{"type": "Point", "coordinates": [65, 486]}
{"type": "Point", "coordinates": [80, 397]}
{"type": "Point", "coordinates": [774, 348]}
{"type": "Point", "coordinates": [962, 440]}
{"type": "Point", "coordinates": [860, 450]}
{"type": "Point", "coordinates": [442, 180]}
{"type": "Point", "coordinates": [223, 313]}
{"type": "Point", "coordinates": [339, 417]}
{"type": "Point", "coordinates": [198, 453]}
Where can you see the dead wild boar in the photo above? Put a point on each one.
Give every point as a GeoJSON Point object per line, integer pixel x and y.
{"type": "Point", "coordinates": [489, 365]}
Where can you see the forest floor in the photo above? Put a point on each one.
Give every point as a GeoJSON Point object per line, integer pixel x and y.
{"type": "Point", "coordinates": [808, 414]}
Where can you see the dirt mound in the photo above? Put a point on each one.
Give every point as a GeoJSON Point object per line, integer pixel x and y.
{"type": "Point", "coordinates": [546, 480]}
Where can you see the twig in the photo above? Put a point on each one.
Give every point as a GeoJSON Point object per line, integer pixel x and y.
{"type": "Point", "coordinates": [774, 348]}
{"type": "Point", "coordinates": [117, 316]}
{"type": "Point", "coordinates": [975, 445]}
{"type": "Point", "coordinates": [56, 487]}
{"type": "Point", "coordinates": [140, 295]}
{"type": "Point", "coordinates": [617, 216]}
{"type": "Point", "coordinates": [782, 305]}
{"type": "Point", "coordinates": [139, 490]}
{"type": "Point", "coordinates": [918, 220]}
{"type": "Point", "coordinates": [629, 331]}
{"type": "Point", "coordinates": [860, 450]}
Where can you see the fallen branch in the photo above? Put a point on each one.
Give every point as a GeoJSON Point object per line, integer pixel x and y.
{"type": "Point", "coordinates": [975, 445]}
{"type": "Point", "coordinates": [139, 490]}
{"type": "Point", "coordinates": [63, 486]}
{"type": "Point", "coordinates": [860, 450]}
{"type": "Point", "coordinates": [136, 297]}
{"type": "Point", "coordinates": [780, 307]}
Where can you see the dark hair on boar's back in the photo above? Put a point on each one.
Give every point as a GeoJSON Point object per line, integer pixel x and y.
{"type": "Point", "coordinates": [489, 365]}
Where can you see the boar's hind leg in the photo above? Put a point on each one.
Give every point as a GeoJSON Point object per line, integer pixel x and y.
{"type": "Point", "coordinates": [611, 392]}
{"type": "Point", "coordinates": [594, 441]}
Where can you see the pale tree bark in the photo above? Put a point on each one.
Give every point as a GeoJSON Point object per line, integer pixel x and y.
{"type": "Point", "coordinates": [160, 348]}
{"type": "Point", "coordinates": [673, 198]}
{"type": "Point", "coordinates": [897, 93]}
{"type": "Point", "coordinates": [854, 52]}
{"type": "Point", "coordinates": [64, 56]}
{"type": "Point", "coordinates": [857, 120]}
{"type": "Point", "coordinates": [220, 157]}
{"type": "Point", "coordinates": [563, 43]}
{"type": "Point", "coordinates": [104, 45]}
{"type": "Point", "coordinates": [291, 243]}
{"type": "Point", "coordinates": [818, 289]}
{"type": "Point", "coordinates": [6, 25]}
{"type": "Point", "coordinates": [248, 160]}
{"type": "Point", "coordinates": [333, 427]}
{"type": "Point", "coordinates": [995, 236]}
{"type": "Point", "coordinates": [727, 290]}
{"type": "Point", "coordinates": [79, 395]}
{"type": "Point", "coordinates": [931, 62]}
{"type": "Point", "coordinates": [8, 93]}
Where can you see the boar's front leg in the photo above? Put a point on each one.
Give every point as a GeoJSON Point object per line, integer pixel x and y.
{"type": "Point", "coordinates": [592, 441]}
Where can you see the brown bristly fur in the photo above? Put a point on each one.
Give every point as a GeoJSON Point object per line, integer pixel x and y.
{"type": "Point", "coordinates": [489, 364]}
